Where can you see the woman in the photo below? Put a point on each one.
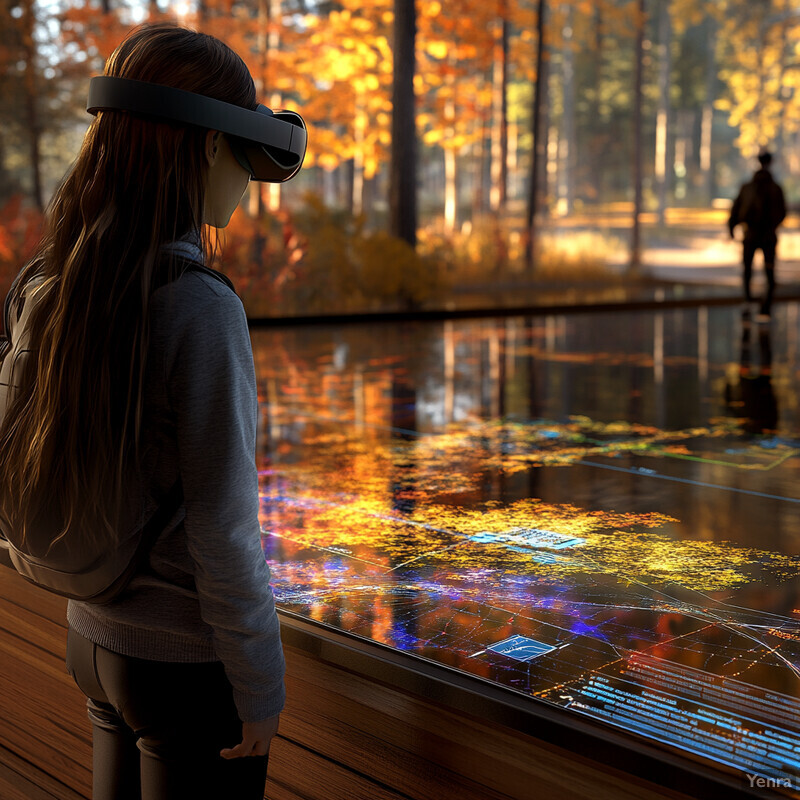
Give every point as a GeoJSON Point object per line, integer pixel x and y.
{"type": "Point", "coordinates": [145, 378]}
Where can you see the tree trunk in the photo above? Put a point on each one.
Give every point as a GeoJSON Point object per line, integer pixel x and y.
{"type": "Point", "coordinates": [450, 171]}
{"type": "Point", "coordinates": [6, 183]}
{"type": "Point", "coordinates": [31, 107]}
{"type": "Point", "coordinates": [275, 99]}
{"type": "Point", "coordinates": [360, 123]}
{"type": "Point", "coordinates": [481, 157]}
{"type": "Point", "coordinates": [663, 118]}
{"type": "Point", "coordinates": [255, 206]}
{"type": "Point", "coordinates": [551, 166]}
{"type": "Point", "coordinates": [599, 47]}
{"type": "Point", "coordinates": [707, 124]}
{"type": "Point", "coordinates": [780, 136]}
{"type": "Point", "coordinates": [403, 168]}
{"type": "Point", "coordinates": [685, 126]}
{"type": "Point", "coordinates": [539, 139]}
{"type": "Point", "coordinates": [499, 166]}
{"type": "Point", "coordinates": [636, 242]}
{"type": "Point", "coordinates": [568, 145]}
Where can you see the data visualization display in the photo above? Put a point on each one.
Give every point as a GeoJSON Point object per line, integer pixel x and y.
{"type": "Point", "coordinates": [641, 575]}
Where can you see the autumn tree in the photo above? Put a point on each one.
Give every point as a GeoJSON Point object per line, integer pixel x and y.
{"type": "Point", "coordinates": [457, 48]}
{"type": "Point", "coordinates": [337, 64]}
{"type": "Point", "coordinates": [758, 44]}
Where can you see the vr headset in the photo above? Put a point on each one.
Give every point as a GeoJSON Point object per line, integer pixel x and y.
{"type": "Point", "coordinates": [270, 145]}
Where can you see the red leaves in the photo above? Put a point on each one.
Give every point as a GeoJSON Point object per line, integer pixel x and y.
{"type": "Point", "coordinates": [20, 230]}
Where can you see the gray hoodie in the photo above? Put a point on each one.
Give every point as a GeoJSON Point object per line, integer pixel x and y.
{"type": "Point", "coordinates": [205, 594]}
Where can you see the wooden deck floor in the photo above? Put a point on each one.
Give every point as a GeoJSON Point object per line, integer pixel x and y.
{"type": "Point", "coordinates": [343, 736]}
{"type": "Point", "coordinates": [45, 742]}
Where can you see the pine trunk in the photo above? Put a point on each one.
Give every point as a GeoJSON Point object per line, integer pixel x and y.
{"type": "Point", "coordinates": [539, 140]}
{"type": "Point", "coordinates": [403, 169]}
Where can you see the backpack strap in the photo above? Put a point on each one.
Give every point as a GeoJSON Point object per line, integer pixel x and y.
{"type": "Point", "coordinates": [7, 358]}
{"type": "Point", "coordinates": [5, 555]}
{"type": "Point", "coordinates": [14, 351]}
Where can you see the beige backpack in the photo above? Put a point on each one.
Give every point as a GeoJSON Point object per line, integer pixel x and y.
{"type": "Point", "coordinates": [70, 567]}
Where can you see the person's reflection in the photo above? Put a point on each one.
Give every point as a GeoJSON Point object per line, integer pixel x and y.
{"type": "Point", "coordinates": [753, 399]}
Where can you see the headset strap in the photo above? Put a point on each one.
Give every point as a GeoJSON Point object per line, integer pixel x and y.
{"type": "Point", "coordinates": [152, 99]}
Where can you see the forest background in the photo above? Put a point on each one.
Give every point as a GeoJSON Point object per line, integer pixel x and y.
{"type": "Point", "coordinates": [540, 144]}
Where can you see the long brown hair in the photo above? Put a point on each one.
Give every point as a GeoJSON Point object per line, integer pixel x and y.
{"type": "Point", "coordinates": [72, 437]}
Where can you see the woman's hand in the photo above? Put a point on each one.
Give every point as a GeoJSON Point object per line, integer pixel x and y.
{"type": "Point", "coordinates": [256, 738]}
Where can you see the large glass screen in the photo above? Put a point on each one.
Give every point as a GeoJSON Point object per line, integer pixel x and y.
{"type": "Point", "coordinates": [597, 511]}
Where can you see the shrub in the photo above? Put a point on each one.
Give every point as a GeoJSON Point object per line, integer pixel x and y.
{"type": "Point", "coordinates": [340, 267]}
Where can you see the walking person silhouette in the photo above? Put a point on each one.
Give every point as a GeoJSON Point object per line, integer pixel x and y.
{"type": "Point", "coordinates": [759, 208]}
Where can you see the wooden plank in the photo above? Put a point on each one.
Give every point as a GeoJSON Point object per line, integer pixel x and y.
{"type": "Point", "coordinates": [277, 791]}
{"type": "Point", "coordinates": [418, 747]}
{"type": "Point", "coordinates": [25, 595]}
{"type": "Point", "coordinates": [298, 772]}
{"type": "Point", "coordinates": [366, 741]}
{"type": "Point", "coordinates": [32, 627]}
{"type": "Point", "coordinates": [21, 780]}
{"type": "Point", "coordinates": [46, 724]}
{"type": "Point", "coordinates": [34, 739]}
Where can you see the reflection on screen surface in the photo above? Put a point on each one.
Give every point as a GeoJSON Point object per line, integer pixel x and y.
{"type": "Point", "coordinates": [613, 532]}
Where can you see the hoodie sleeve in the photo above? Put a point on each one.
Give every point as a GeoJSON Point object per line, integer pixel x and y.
{"type": "Point", "coordinates": [212, 390]}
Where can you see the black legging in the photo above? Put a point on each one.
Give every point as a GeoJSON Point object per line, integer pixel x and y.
{"type": "Point", "coordinates": [158, 728]}
{"type": "Point", "coordinates": [767, 245]}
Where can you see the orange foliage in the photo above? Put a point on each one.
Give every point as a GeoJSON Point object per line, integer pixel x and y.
{"type": "Point", "coordinates": [259, 255]}
{"type": "Point", "coordinates": [20, 230]}
{"type": "Point", "coordinates": [95, 33]}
